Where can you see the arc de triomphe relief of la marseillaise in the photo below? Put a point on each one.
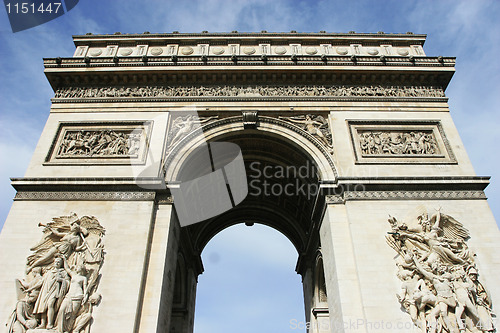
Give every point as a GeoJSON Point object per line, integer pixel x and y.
{"type": "Point", "coordinates": [342, 142]}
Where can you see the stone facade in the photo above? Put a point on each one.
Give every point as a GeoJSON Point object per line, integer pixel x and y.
{"type": "Point", "coordinates": [365, 117]}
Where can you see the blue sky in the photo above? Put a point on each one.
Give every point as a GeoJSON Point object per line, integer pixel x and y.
{"type": "Point", "coordinates": [468, 30]}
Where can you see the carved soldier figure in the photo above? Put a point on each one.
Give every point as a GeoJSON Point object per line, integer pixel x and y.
{"type": "Point", "coordinates": [445, 296]}
{"type": "Point", "coordinates": [463, 289]}
{"type": "Point", "coordinates": [483, 301]}
{"type": "Point", "coordinates": [407, 294]}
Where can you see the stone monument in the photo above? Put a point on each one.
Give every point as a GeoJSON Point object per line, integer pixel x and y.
{"type": "Point", "coordinates": [157, 142]}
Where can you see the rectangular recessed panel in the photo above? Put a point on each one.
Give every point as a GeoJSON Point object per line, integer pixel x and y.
{"type": "Point", "coordinates": [100, 143]}
{"type": "Point", "coordinates": [395, 142]}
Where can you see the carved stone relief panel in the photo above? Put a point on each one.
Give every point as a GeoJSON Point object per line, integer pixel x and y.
{"type": "Point", "coordinates": [59, 291]}
{"type": "Point", "coordinates": [400, 142]}
{"type": "Point", "coordinates": [100, 143]}
{"type": "Point", "coordinates": [440, 285]}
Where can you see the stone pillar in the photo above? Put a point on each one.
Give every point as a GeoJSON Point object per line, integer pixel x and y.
{"type": "Point", "coordinates": [342, 282]}
{"type": "Point", "coordinates": [160, 270]}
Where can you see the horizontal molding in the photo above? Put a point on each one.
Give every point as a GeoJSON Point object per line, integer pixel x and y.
{"type": "Point", "coordinates": [84, 196]}
{"type": "Point", "coordinates": [253, 99]}
{"type": "Point", "coordinates": [405, 195]}
{"type": "Point", "coordinates": [250, 60]}
{"type": "Point", "coordinates": [83, 184]}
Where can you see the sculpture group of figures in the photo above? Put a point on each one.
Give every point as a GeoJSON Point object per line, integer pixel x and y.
{"type": "Point", "coordinates": [99, 143]}
{"type": "Point", "coordinates": [255, 90]}
{"type": "Point", "coordinates": [183, 125]}
{"type": "Point", "coordinates": [398, 143]}
{"type": "Point", "coordinates": [59, 290]}
{"type": "Point", "coordinates": [440, 286]}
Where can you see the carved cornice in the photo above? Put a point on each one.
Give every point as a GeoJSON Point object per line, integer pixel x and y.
{"type": "Point", "coordinates": [332, 199]}
{"type": "Point", "coordinates": [249, 72]}
{"type": "Point", "coordinates": [335, 199]}
{"type": "Point", "coordinates": [404, 195]}
{"type": "Point", "coordinates": [413, 195]}
{"type": "Point", "coordinates": [245, 60]}
{"type": "Point", "coordinates": [84, 196]}
{"type": "Point", "coordinates": [409, 36]}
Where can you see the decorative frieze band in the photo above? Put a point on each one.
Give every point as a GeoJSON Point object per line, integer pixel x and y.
{"type": "Point", "coordinates": [405, 195]}
{"type": "Point", "coordinates": [310, 91]}
{"type": "Point", "coordinates": [235, 49]}
{"type": "Point", "coordinates": [84, 196]}
{"type": "Point", "coordinates": [349, 195]}
{"type": "Point", "coordinates": [101, 143]}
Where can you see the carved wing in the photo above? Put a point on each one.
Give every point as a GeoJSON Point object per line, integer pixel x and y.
{"type": "Point", "coordinates": [204, 120]}
{"type": "Point", "coordinates": [48, 240]}
{"type": "Point", "coordinates": [322, 120]}
{"type": "Point", "coordinates": [61, 224]}
{"type": "Point", "coordinates": [452, 228]}
{"type": "Point", "coordinates": [92, 225]}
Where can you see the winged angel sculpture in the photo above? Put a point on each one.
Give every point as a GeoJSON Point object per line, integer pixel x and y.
{"type": "Point", "coordinates": [317, 126]}
{"type": "Point", "coordinates": [183, 125]}
{"type": "Point", "coordinates": [440, 288]}
{"type": "Point", "coordinates": [58, 292]}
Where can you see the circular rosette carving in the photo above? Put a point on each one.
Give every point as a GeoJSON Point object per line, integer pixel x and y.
{"type": "Point", "coordinates": [403, 52]}
{"type": "Point", "coordinates": [279, 50]}
{"type": "Point", "coordinates": [156, 51]}
{"type": "Point", "coordinates": [96, 52]}
{"type": "Point", "coordinates": [341, 50]}
{"type": "Point", "coordinates": [217, 50]}
{"type": "Point", "coordinates": [187, 50]}
{"type": "Point", "coordinates": [249, 50]}
{"type": "Point", "coordinates": [126, 52]}
{"type": "Point", "coordinates": [311, 50]}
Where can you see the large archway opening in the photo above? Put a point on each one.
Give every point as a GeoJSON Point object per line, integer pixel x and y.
{"type": "Point", "coordinates": [284, 173]}
{"type": "Point", "coordinates": [249, 283]}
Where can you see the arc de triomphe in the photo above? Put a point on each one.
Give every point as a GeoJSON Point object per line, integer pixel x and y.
{"type": "Point", "coordinates": [342, 142]}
